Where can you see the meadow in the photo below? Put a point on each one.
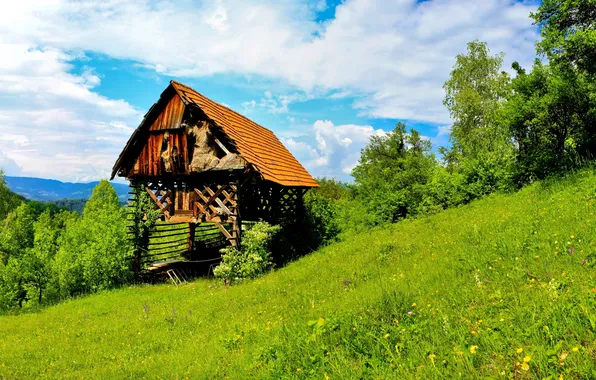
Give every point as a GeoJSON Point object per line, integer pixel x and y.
{"type": "Point", "coordinates": [501, 288]}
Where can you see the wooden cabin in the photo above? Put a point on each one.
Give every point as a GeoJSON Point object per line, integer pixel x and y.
{"type": "Point", "coordinates": [205, 165]}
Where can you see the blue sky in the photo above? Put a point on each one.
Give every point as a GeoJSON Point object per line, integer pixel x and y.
{"type": "Point", "coordinates": [76, 77]}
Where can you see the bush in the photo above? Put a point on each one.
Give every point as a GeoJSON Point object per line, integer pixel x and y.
{"type": "Point", "coordinates": [252, 260]}
{"type": "Point", "coordinates": [321, 218]}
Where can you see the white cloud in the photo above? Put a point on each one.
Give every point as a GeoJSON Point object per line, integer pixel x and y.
{"type": "Point", "coordinates": [52, 122]}
{"type": "Point", "coordinates": [9, 166]}
{"type": "Point", "coordinates": [442, 136]}
{"type": "Point", "coordinates": [393, 66]}
{"type": "Point", "coordinates": [335, 150]}
{"type": "Point", "coordinates": [396, 64]}
{"type": "Point", "coordinates": [277, 104]}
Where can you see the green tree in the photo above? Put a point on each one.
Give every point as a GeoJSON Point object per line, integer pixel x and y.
{"type": "Point", "coordinates": [16, 239]}
{"type": "Point", "coordinates": [568, 31]}
{"type": "Point", "coordinates": [94, 250]}
{"type": "Point", "coordinates": [12, 284]}
{"type": "Point", "coordinates": [16, 235]}
{"type": "Point", "coordinates": [392, 174]}
{"type": "Point", "coordinates": [37, 263]}
{"type": "Point", "coordinates": [475, 94]}
{"type": "Point", "coordinates": [330, 188]}
{"type": "Point", "coordinates": [8, 200]}
{"type": "Point", "coordinates": [551, 114]}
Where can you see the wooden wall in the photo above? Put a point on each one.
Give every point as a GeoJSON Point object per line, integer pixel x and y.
{"type": "Point", "coordinates": [171, 116]}
{"type": "Point", "coordinates": [149, 162]}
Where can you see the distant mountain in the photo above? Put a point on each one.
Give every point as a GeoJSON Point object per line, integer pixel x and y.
{"type": "Point", "coordinates": [39, 189]}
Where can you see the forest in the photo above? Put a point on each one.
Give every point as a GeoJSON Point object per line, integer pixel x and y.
{"type": "Point", "coordinates": [511, 127]}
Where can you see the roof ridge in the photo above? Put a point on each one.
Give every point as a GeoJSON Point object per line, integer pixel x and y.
{"type": "Point", "coordinates": [221, 105]}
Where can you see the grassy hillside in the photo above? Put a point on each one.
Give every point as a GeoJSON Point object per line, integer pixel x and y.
{"type": "Point", "coordinates": [502, 288]}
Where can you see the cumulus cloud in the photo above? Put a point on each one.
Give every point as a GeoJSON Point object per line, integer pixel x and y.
{"type": "Point", "coordinates": [50, 118]}
{"type": "Point", "coordinates": [396, 64]}
{"type": "Point", "coordinates": [392, 57]}
{"type": "Point", "coordinates": [335, 150]}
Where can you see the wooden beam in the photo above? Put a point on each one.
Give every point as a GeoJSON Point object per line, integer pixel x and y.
{"type": "Point", "coordinates": [222, 146]}
{"type": "Point", "coordinates": [224, 231]}
{"type": "Point", "coordinates": [157, 202]}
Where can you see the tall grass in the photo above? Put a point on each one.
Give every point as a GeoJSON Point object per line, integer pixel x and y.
{"type": "Point", "coordinates": [501, 288]}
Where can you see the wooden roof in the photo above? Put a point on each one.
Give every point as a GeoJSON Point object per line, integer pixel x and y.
{"type": "Point", "coordinates": [256, 144]}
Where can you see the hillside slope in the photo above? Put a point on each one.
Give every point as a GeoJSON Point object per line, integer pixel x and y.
{"type": "Point", "coordinates": [501, 288]}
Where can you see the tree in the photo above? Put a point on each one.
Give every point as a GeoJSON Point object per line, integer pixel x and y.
{"type": "Point", "coordinates": [481, 147]}
{"type": "Point", "coordinates": [568, 31]}
{"type": "Point", "coordinates": [330, 188]}
{"type": "Point", "coordinates": [551, 114]}
{"type": "Point", "coordinates": [16, 235]}
{"type": "Point", "coordinates": [16, 239]}
{"type": "Point", "coordinates": [94, 250]}
{"type": "Point", "coordinates": [8, 200]}
{"type": "Point", "coordinates": [392, 173]}
{"type": "Point", "coordinates": [37, 263]}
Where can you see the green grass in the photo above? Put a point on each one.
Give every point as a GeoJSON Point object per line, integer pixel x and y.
{"type": "Point", "coordinates": [468, 293]}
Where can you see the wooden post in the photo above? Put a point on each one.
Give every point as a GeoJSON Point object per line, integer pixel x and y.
{"type": "Point", "coordinates": [237, 222]}
{"type": "Point", "coordinates": [140, 237]}
{"type": "Point", "coordinates": [190, 243]}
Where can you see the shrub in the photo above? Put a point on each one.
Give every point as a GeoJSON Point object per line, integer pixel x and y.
{"type": "Point", "coordinates": [321, 218]}
{"type": "Point", "coordinates": [252, 259]}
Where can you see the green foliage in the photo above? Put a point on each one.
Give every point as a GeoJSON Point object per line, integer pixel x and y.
{"type": "Point", "coordinates": [551, 116]}
{"type": "Point", "coordinates": [454, 295]}
{"type": "Point", "coordinates": [143, 214]}
{"type": "Point", "coordinates": [392, 174]}
{"type": "Point", "coordinates": [74, 205]}
{"type": "Point", "coordinates": [481, 148]}
{"type": "Point", "coordinates": [16, 235]}
{"type": "Point", "coordinates": [331, 189]}
{"type": "Point", "coordinates": [12, 290]}
{"type": "Point", "coordinates": [94, 251]}
{"type": "Point", "coordinates": [252, 260]}
{"type": "Point", "coordinates": [321, 216]}
{"type": "Point", "coordinates": [8, 200]}
{"type": "Point", "coordinates": [568, 31]}
{"type": "Point", "coordinates": [37, 263]}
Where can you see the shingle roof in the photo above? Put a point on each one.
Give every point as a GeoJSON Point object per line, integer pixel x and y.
{"type": "Point", "coordinates": [256, 144]}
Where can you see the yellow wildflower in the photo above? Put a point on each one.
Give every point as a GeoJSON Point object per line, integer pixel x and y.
{"type": "Point", "coordinates": [525, 367]}
{"type": "Point", "coordinates": [520, 350]}
{"type": "Point", "coordinates": [527, 359]}
{"type": "Point", "coordinates": [473, 349]}
{"type": "Point", "coordinates": [572, 236]}
{"type": "Point", "coordinates": [575, 349]}
{"type": "Point", "coordinates": [563, 356]}
{"type": "Point", "coordinates": [432, 357]}
{"type": "Point", "coordinates": [413, 305]}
